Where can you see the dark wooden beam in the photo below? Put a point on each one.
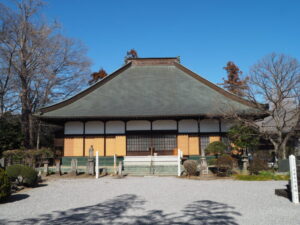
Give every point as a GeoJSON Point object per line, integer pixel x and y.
{"type": "Point", "coordinates": [199, 142]}
{"type": "Point", "coordinates": [83, 138]}
{"type": "Point", "coordinates": [104, 150]}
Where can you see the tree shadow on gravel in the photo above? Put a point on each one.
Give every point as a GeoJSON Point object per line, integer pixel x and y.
{"type": "Point", "coordinates": [15, 198]}
{"type": "Point", "coordinates": [128, 209]}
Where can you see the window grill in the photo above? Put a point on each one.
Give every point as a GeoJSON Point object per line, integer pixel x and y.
{"type": "Point", "coordinates": [138, 143]}
{"type": "Point", "coordinates": [142, 143]}
{"type": "Point", "coordinates": [204, 141]}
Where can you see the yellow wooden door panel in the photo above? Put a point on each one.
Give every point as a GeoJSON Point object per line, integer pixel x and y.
{"type": "Point", "coordinates": [121, 145]}
{"type": "Point", "coordinates": [194, 145]}
{"type": "Point", "coordinates": [110, 146]}
{"type": "Point", "coordinates": [183, 143]}
{"type": "Point", "coordinates": [98, 145]}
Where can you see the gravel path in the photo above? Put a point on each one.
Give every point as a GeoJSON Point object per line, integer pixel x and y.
{"type": "Point", "coordinates": [150, 200]}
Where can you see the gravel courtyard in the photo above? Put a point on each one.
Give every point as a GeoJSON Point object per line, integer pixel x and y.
{"type": "Point", "coordinates": [150, 200]}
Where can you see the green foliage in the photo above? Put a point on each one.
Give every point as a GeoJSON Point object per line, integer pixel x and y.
{"type": "Point", "coordinates": [216, 148]}
{"type": "Point", "coordinates": [257, 165]}
{"type": "Point", "coordinates": [190, 167]}
{"type": "Point", "coordinates": [4, 185]}
{"type": "Point", "coordinates": [225, 164]}
{"type": "Point", "coordinates": [10, 133]}
{"type": "Point", "coordinates": [29, 156]}
{"type": "Point", "coordinates": [262, 176]}
{"type": "Point", "coordinates": [14, 171]}
{"type": "Point", "coordinates": [28, 174]}
{"type": "Point", "coordinates": [243, 137]}
{"type": "Point", "coordinates": [212, 162]}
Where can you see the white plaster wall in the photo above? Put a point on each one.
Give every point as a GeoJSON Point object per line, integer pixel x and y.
{"type": "Point", "coordinates": [187, 126]}
{"type": "Point", "coordinates": [94, 127]}
{"type": "Point", "coordinates": [115, 127]}
{"type": "Point", "coordinates": [138, 125]}
{"type": "Point", "coordinates": [226, 124]}
{"type": "Point", "coordinates": [74, 127]}
{"type": "Point", "coordinates": [164, 125]}
{"type": "Point", "coordinates": [209, 125]}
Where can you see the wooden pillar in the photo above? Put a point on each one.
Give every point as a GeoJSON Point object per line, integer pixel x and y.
{"type": "Point", "coordinates": [198, 122]}
{"type": "Point", "coordinates": [104, 152]}
{"type": "Point", "coordinates": [220, 129]}
{"type": "Point", "coordinates": [126, 137]}
{"type": "Point", "coordinates": [83, 145]}
{"type": "Point", "coordinates": [151, 133]}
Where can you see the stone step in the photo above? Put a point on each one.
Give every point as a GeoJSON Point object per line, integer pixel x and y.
{"type": "Point", "coordinates": [150, 160]}
{"type": "Point", "coordinates": [156, 170]}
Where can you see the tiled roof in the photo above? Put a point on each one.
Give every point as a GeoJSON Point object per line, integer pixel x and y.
{"type": "Point", "coordinates": [149, 90]}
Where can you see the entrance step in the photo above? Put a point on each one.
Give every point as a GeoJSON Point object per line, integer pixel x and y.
{"type": "Point", "coordinates": [150, 165]}
{"type": "Point", "coordinates": [150, 160]}
{"type": "Point", "coordinates": [154, 170]}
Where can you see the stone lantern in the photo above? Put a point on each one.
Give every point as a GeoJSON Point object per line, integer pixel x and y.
{"type": "Point", "coordinates": [245, 161]}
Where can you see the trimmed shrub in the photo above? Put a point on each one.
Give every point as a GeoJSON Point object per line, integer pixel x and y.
{"type": "Point", "coordinates": [190, 167]}
{"type": "Point", "coordinates": [14, 171]}
{"type": "Point", "coordinates": [225, 164]}
{"type": "Point", "coordinates": [216, 148]}
{"type": "Point", "coordinates": [212, 162]}
{"type": "Point", "coordinates": [29, 157]}
{"type": "Point", "coordinates": [29, 175]}
{"type": "Point", "coordinates": [4, 185]}
{"type": "Point", "coordinates": [257, 165]}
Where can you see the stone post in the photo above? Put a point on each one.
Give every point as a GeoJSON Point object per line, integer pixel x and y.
{"type": "Point", "coordinates": [9, 161]}
{"type": "Point", "coordinates": [179, 163]}
{"type": "Point", "coordinates": [73, 167]}
{"type": "Point", "coordinates": [57, 167]}
{"type": "Point", "coordinates": [2, 163]}
{"type": "Point", "coordinates": [115, 164]}
{"type": "Point", "coordinates": [91, 162]}
{"type": "Point", "coordinates": [293, 179]}
{"type": "Point", "coordinates": [120, 169]}
{"type": "Point", "coordinates": [97, 165]}
{"type": "Point", "coordinates": [203, 163]}
{"type": "Point", "coordinates": [46, 167]}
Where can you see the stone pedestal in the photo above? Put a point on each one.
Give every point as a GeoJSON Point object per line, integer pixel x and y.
{"type": "Point", "coordinates": [74, 167]}
{"type": "Point", "coordinates": [203, 166]}
{"type": "Point", "coordinates": [90, 167]}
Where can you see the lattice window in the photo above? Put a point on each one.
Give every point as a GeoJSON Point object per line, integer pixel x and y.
{"type": "Point", "coordinates": [142, 143]}
{"type": "Point", "coordinates": [204, 141]}
{"type": "Point", "coordinates": [138, 143]}
{"type": "Point", "coordinates": [164, 142]}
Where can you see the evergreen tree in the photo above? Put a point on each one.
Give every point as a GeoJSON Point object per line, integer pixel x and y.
{"type": "Point", "coordinates": [234, 84]}
{"type": "Point", "coordinates": [97, 76]}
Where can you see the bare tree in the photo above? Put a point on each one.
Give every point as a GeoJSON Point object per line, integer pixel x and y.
{"type": "Point", "coordinates": [47, 66]}
{"type": "Point", "coordinates": [274, 80]}
{"type": "Point", "coordinates": [8, 97]}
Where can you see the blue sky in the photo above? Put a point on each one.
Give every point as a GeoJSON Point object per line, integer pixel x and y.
{"type": "Point", "coordinates": [205, 34]}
